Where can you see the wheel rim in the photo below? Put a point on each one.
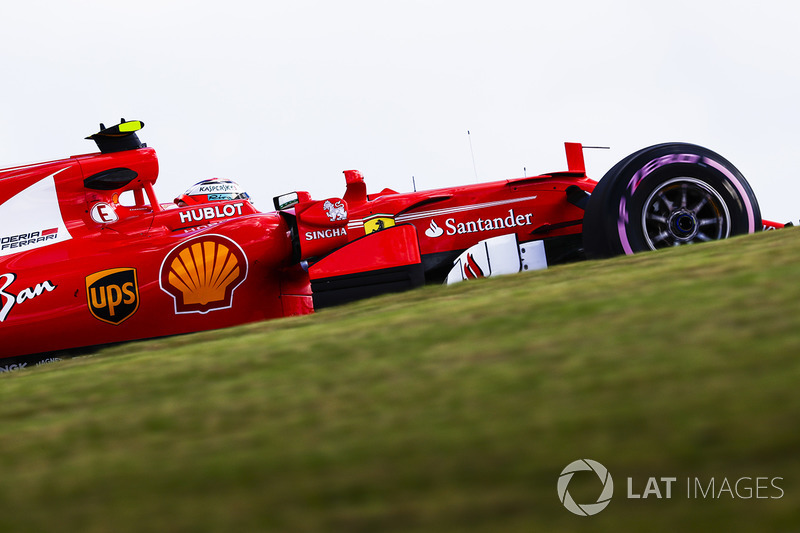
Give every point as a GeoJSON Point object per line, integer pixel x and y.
{"type": "Point", "coordinates": [684, 211]}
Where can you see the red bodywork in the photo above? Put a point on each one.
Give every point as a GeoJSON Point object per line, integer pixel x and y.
{"type": "Point", "coordinates": [108, 282]}
{"type": "Point", "coordinates": [88, 256]}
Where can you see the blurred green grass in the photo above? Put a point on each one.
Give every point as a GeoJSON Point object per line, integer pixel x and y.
{"type": "Point", "coordinates": [442, 409]}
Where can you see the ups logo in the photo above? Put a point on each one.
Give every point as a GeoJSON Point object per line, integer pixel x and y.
{"type": "Point", "coordinates": [113, 295]}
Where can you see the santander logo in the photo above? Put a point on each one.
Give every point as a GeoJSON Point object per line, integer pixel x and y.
{"type": "Point", "coordinates": [434, 230]}
{"type": "Point", "coordinates": [507, 221]}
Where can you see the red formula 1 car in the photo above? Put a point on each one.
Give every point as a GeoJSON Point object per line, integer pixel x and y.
{"type": "Point", "coordinates": [89, 256]}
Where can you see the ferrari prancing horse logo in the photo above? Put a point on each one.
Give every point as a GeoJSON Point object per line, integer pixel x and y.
{"type": "Point", "coordinates": [377, 224]}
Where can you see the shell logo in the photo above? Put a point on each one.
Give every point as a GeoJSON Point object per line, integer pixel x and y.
{"type": "Point", "coordinates": [202, 273]}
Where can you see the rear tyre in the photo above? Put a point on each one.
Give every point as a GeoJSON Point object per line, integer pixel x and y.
{"type": "Point", "coordinates": [668, 195]}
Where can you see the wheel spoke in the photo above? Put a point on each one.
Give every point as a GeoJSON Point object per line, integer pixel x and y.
{"type": "Point", "coordinates": [683, 211]}
{"type": "Point", "coordinates": [708, 221]}
{"type": "Point", "coordinates": [696, 209]}
{"type": "Point", "coordinates": [669, 204]}
{"type": "Point", "coordinates": [661, 236]}
{"type": "Point", "coordinates": [657, 218]}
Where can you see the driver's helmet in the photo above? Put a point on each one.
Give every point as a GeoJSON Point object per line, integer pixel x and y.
{"type": "Point", "coordinates": [212, 190]}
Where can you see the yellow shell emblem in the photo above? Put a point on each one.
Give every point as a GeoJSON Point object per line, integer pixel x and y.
{"type": "Point", "coordinates": [201, 274]}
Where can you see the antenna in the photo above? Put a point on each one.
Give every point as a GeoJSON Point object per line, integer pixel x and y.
{"type": "Point", "coordinates": [472, 152]}
{"type": "Point", "coordinates": [414, 183]}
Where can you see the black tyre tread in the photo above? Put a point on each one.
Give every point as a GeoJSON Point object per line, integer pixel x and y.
{"type": "Point", "coordinates": [599, 238]}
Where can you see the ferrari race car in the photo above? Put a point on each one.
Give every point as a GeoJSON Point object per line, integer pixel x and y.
{"type": "Point", "coordinates": [88, 255]}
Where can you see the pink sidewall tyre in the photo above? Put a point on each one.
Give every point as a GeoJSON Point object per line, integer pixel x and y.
{"type": "Point", "coordinates": [668, 195]}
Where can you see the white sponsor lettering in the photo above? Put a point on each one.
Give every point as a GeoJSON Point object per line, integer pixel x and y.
{"type": "Point", "coordinates": [19, 366]}
{"type": "Point", "coordinates": [490, 224]}
{"type": "Point", "coordinates": [15, 366]}
{"type": "Point", "coordinates": [10, 299]}
{"type": "Point", "coordinates": [211, 212]}
{"type": "Point", "coordinates": [325, 234]}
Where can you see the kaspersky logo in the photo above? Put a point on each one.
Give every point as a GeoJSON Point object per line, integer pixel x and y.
{"type": "Point", "coordinates": [202, 273]}
{"type": "Point", "coordinates": [585, 509]}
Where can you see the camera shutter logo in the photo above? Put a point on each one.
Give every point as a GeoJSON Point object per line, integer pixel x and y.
{"type": "Point", "coordinates": [585, 509]}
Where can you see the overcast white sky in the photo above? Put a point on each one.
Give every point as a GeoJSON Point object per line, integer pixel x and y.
{"type": "Point", "coordinates": [286, 95]}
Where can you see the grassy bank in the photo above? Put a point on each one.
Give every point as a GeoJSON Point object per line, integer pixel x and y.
{"type": "Point", "coordinates": [444, 409]}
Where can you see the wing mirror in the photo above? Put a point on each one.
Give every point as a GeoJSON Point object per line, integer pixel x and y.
{"type": "Point", "coordinates": [285, 201]}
